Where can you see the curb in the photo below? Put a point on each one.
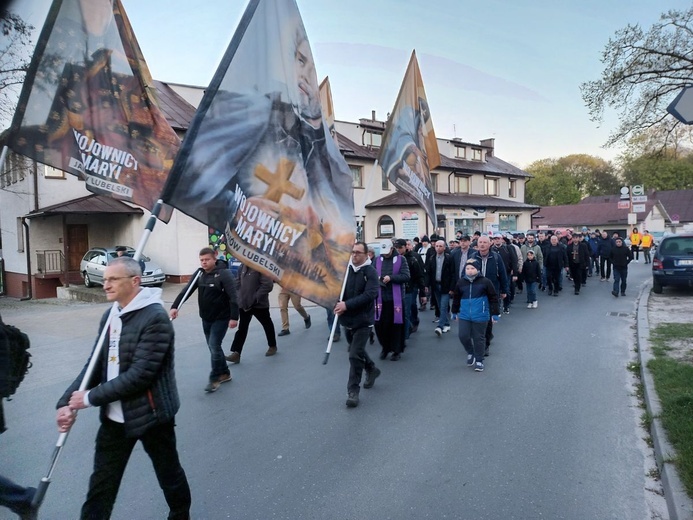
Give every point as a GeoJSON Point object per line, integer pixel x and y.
{"type": "Point", "coordinates": [679, 504]}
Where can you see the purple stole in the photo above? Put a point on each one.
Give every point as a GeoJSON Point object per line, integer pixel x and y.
{"type": "Point", "coordinates": [396, 290]}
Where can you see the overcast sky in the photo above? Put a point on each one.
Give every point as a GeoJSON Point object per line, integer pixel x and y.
{"type": "Point", "coordinates": [507, 69]}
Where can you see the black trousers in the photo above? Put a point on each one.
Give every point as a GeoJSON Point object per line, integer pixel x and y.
{"type": "Point", "coordinates": [263, 316]}
{"type": "Point", "coordinates": [389, 333]}
{"type": "Point", "coordinates": [111, 456]}
{"type": "Point", "coordinates": [358, 357]}
{"type": "Point", "coordinates": [576, 275]}
{"type": "Point", "coordinates": [605, 267]}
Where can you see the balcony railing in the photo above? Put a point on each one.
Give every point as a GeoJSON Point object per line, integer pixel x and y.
{"type": "Point", "coordinates": [50, 261]}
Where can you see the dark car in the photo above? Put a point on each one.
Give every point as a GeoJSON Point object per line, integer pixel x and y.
{"type": "Point", "coordinates": [672, 263]}
{"type": "Point", "coordinates": [96, 259]}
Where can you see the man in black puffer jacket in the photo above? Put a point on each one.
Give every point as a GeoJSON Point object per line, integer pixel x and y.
{"type": "Point", "coordinates": [355, 312]}
{"type": "Point", "coordinates": [218, 308]}
{"type": "Point", "coordinates": [134, 383]}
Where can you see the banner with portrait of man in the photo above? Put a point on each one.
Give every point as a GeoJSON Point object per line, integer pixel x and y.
{"type": "Point", "coordinates": [259, 163]}
{"type": "Point", "coordinates": [88, 106]}
{"type": "Point", "coordinates": [409, 150]}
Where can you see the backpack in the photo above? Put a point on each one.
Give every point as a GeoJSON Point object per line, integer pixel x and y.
{"type": "Point", "coordinates": [18, 358]}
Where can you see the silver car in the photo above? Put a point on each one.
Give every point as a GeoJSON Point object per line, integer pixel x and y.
{"type": "Point", "coordinates": [95, 260]}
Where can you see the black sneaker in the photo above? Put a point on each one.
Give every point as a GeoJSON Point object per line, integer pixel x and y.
{"type": "Point", "coordinates": [479, 366]}
{"type": "Point", "coordinates": [615, 294]}
{"type": "Point", "coordinates": [395, 357]}
{"type": "Point", "coordinates": [623, 294]}
{"type": "Point", "coordinates": [371, 377]}
{"type": "Point", "coordinates": [352, 400]}
{"type": "Point", "coordinates": [307, 322]}
{"type": "Point", "coordinates": [383, 354]}
{"type": "Point", "coordinates": [284, 332]}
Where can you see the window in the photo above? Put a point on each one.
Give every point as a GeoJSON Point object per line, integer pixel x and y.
{"type": "Point", "coordinates": [20, 235]}
{"type": "Point", "coordinates": [468, 225]}
{"type": "Point", "coordinates": [53, 173]}
{"type": "Point", "coordinates": [461, 152]}
{"type": "Point", "coordinates": [461, 184]}
{"type": "Point", "coordinates": [491, 186]}
{"type": "Point", "coordinates": [512, 189]}
{"type": "Point", "coordinates": [434, 182]}
{"type": "Point", "coordinates": [14, 170]}
{"type": "Point", "coordinates": [476, 154]}
{"type": "Point", "coordinates": [507, 223]}
{"type": "Point", "coordinates": [386, 227]}
{"type": "Point", "coordinates": [385, 183]}
{"type": "Point", "coordinates": [357, 175]}
{"type": "Point", "coordinates": [371, 138]}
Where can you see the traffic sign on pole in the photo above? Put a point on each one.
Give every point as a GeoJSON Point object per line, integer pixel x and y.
{"type": "Point", "coordinates": [682, 106]}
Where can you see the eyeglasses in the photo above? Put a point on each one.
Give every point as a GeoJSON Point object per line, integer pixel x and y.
{"type": "Point", "coordinates": [113, 279]}
{"type": "Point", "coordinates": [358, 253]}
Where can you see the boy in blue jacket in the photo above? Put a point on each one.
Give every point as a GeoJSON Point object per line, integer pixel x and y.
{"type": "Point", "coordinates": [475, 301]}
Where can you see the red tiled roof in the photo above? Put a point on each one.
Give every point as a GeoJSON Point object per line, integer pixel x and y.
{"type": "Point", "coordinates": [589, 214]}
{"type": "Point", "coordinates": [178, 111]}
{"type": "Point", "coordinates": [89, 205]}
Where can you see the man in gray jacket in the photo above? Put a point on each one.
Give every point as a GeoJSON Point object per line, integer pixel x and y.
{"type": "Point", "coordinates": [134, 384]}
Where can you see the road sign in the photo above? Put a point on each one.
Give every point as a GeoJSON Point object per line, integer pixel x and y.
{"type": "Point", "coordinates": [682, 106]}
{"type": "Point", "coordinates": [638, 189]}
{"type": "Point", "coordinates": [639, 198]}
{"type": "Point", "coordinates": [623, 204]}
{"type": "Point", "coordinates": [675, 218]}
{"type": "Point", "coordinates": [632, 219]}
{"type": "Point", "coordinates": [639, 208]}
{"type": "Point", "coordinates": [625, 192]}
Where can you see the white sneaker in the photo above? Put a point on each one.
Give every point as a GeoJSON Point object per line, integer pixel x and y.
{"type": "Point", "coordinates": [446, 328]}
{"type": "Point", "coordinates": [438, 331]}
{"type": "Point", "coordinates": [535, 305]}
{"type": "Point", "coordinates": [529, 305]}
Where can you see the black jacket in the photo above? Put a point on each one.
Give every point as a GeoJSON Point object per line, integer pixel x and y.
{"type": "Point", "coordinates": [555, 257]}
{"type": "Point", "coordinates": [417, 278]}
{"type": "Point", "coordinates": [531, 271]}
{"type": "Point", "coordinates": [621, 256]}
{"type": "Point", "coordinates": [216, 295]}
{"type": "Point", "coordinates": [582, 259]}
{"type": "Point", "coordinates": [448, 275]}
{"type": "Point", "coordinates": [360, 292]}
{"type": "Point", "coordinates": [387, 268]}
{"type": "Point", "coordinates": [146, 384]}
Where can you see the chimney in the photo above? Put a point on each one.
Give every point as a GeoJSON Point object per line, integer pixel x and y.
{"type": "Point", "coordinates": [372, 115]}
{"type": "Point", "coordinates": [488, 143]}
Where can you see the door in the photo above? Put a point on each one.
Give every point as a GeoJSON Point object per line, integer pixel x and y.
{"type": "Point", "coordinates": [77, 245]}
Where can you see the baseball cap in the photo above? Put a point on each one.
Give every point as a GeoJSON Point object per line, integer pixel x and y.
{"type": "Point", "coordinates": [385, 246]}
{"type": "Point", "coordinates": [400, 242]}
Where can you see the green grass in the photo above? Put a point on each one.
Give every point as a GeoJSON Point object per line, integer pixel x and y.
{"type": "Point", "coordinates": [674, 384]}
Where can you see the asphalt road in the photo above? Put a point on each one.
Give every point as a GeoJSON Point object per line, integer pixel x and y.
{"type": "Point", "coordinates": [549, 431]}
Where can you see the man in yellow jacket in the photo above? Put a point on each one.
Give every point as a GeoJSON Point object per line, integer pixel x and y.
{"type": "Point", "coordinates": [635, 239]}
{"type": "Point", "coordinates": [646, 242]}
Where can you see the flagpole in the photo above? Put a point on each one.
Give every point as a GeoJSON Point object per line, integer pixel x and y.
{"type": "Point", "coordinates": [45, 481]}
{"type": "Point", "coordinates": [335, 323]}
{"type": "Point", "coordinates": [62, 438]}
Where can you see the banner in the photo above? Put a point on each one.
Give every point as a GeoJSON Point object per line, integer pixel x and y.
{"type": "Point", "coordinates": [259, 163]}
{"type": "Point", "coordinates": [409, 150]}
{"type": "Point", "coordinates": [88, 105]}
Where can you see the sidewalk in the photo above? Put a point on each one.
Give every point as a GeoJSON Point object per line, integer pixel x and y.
{"type": "Point", "coordinates": [654, 309]}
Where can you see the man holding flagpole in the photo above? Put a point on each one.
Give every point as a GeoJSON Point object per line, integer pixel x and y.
{"type": "Point", "coordinates": [134, 384]}
{"type": "Point", "coordinates": [355, 312]}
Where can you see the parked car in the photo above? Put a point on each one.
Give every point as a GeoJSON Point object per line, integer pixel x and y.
{"type": "Point", "coordinates": [95, 260]}
{"type": "Point", "coordinates": [672, 263]}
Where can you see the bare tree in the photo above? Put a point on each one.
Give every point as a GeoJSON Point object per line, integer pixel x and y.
{"type": "Point", "coordinates": [643, 72]}
{"type": "Point", "coordinates": [15, 55]}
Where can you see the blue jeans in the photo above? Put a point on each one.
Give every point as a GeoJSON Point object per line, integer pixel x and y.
{"type": "Point", "coordinates": [111, 456]}
{"type": "Point", "coordinates": [415, 308]}
{"type": "Point", "coordinates": [408, 299]}
{"type": "Point", "coordinates": [531, 292]}
{"type": "Point", "coordinates": [443, 303]}
{"type": "Point", "coordinates": [620, 276]}
{"type": "Point", "coordinates": [330, 321]}
{"type": "Point", "coordinates": [214, 334]}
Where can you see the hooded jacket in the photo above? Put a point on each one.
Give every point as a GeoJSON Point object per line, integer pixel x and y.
{"type": "Point", "coordinates": [216, 294]}
{"type": "Point", "coordinates": [146, 382]}
{"type": "Point", "coordinates": [360, 292]}
{"type": "Point", "coordinates": [475, 300]}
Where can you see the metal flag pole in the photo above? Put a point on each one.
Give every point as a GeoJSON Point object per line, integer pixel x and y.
{"type": "Point", "coordinates": [190, 286]}
{"type": "Point", "coordinates": [335, 323]}
{"type": "Point", "coordinates": [42, 488]}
